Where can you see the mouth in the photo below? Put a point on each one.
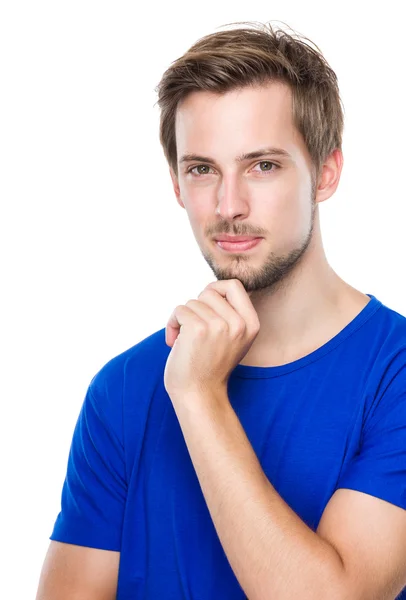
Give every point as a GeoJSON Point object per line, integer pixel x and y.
{"type": "Point", "coordinates": [243, 243]}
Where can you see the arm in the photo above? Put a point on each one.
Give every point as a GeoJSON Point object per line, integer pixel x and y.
{"type": "Point", "coordinates": [272, 552]}
{"type": "Point", "coordinates": [73, 572]}
{"type": "Point", "coordinates": [83, 557]}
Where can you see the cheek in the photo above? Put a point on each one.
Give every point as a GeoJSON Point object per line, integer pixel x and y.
{"type": "Point", "coordinates": [286, 216]}
{"type": "Point", "coordinates": [197, 203]}
{"type": "Point", "coordinates": [198, 211]}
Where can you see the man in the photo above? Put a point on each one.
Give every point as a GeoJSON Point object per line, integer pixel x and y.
{"type": "Point", "coordinates": [255, 446]}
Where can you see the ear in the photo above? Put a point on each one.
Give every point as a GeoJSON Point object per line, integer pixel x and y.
{"type": "Point", "coordinates": [329, 176]}
{"type": "Point", "coordinates": [176, 187]}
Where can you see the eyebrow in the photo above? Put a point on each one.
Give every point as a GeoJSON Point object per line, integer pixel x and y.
{"type": "Point", "coordinates": [241, 158]}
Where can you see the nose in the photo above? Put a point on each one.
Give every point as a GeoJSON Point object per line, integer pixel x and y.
{"type": "Point", "coordinates": [232, 200]}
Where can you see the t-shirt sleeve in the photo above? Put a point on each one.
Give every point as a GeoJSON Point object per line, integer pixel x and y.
{"type": "Point", "coordinates": [379, 467]}
{"type": "Point", "coordinates": [94, 491]}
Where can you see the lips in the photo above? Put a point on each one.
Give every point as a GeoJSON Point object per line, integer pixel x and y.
{"type": "Point", "coordinates": [239, 246]}
{"type": "Point", "coordinates": [236, 238]}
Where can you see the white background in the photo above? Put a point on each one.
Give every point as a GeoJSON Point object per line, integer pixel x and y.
{"type": "Point", "coordinates": [95, 250]}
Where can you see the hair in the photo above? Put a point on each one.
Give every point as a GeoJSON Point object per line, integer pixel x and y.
{"type": "Point", "coordinates": [256, 56]}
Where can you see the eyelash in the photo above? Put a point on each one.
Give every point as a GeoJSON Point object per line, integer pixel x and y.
{"type": "Point", "coordinates": [259, 163]}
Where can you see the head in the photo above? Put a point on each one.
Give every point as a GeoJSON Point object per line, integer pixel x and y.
{"type": "Point", "coordinates": [230, 95]}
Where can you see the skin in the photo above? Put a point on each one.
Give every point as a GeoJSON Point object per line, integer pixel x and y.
{"type": "Point", "coordinates": [300, 301]}
{"type": "Point", "coordinates": [73, 572]}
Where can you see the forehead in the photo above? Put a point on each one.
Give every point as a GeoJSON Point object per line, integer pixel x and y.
{"type": "Point", "coordinates": [241, 119]}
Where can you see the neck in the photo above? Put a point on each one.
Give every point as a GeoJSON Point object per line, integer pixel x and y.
{"type": "Point", "coordinates": [303, 312]}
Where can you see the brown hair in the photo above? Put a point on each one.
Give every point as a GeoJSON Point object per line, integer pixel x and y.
{"type": "Point", "coordinates": [228, 60]}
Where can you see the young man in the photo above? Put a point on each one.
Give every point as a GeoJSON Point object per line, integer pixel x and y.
{"type": "Point", "coordinates": [255, 446]}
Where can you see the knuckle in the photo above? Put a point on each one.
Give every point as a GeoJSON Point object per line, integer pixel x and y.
{"type": "Point", "coordinates": [200, 329]}
{"type": "Point", "coordinates": [220, 325]}
{"type": "Point", "coordinates": [240, 327]}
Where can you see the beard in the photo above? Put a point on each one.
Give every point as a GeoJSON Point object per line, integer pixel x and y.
{"type": "Point", "coordinates": [273, 274]}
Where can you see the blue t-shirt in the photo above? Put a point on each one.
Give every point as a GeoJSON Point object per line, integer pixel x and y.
{"type": "Point", "coordinates": [335, 418]}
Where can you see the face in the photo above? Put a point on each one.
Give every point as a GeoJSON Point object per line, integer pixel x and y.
{"type": "Point", "coordinates": [269, 195]}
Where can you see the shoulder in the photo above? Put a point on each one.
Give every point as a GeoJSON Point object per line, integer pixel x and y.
{"type": "Point", "coordinates": [147, 357]}
{"type": "Point", "coordinates": [387, 352]}
{"type": "Point", "coordinates": [132, 373]}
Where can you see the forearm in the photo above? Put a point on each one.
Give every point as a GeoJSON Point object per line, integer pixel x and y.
{"type": "Point", "coordinates": [272, 552]}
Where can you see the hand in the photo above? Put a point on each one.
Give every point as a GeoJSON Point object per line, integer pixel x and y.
{"type": "Point", "coordinates": [209, 337]}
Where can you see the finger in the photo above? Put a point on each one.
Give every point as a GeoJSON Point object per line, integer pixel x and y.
{"type": "Point", "coordinates": [234, 292]}
{"type": "Point", "coordinates": [220, 308]}
{"type": "Point", "coordinates": [181, 315]}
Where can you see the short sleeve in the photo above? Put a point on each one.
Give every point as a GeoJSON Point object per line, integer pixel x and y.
{"type": "Point", "coordinates": [94, 491]}
{"type": "Point", "coordinates": [379, 468]}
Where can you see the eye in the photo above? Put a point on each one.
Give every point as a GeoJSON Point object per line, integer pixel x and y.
{"type": "Point", "coordinates": [262, 162]}
{"type": "Point", "coordinates": [270, 164]}
{"type": "Point", "coordinates": [198, 167]}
